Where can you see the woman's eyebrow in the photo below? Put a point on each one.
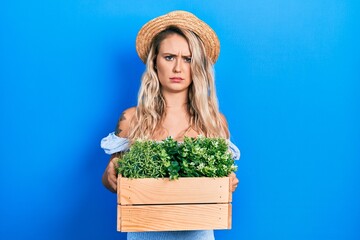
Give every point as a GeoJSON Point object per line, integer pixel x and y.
{"type": "Point", "coordinates": [174, 54]}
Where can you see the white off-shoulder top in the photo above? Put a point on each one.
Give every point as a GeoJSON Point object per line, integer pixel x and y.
{"type": "Point", "coordinates": [113, 144]}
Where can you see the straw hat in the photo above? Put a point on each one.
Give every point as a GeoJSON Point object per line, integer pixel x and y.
{"type": "Point", "coordinates": [181, 19]}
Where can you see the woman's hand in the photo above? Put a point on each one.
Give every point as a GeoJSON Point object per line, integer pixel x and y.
{"type": "Point", "coordinates": [109, 178]}
{"type": "Point", "coordinates": [234, 181]}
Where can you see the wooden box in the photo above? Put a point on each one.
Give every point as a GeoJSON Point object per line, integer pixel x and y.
{"type": "Point", "coordinates": [150, 204]}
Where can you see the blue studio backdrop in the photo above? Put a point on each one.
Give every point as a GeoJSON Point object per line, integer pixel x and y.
{"type": "Point", "coordinates": [287, 80]}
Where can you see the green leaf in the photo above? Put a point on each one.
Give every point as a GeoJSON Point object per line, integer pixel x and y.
{"type": "Point", "coordinates": [195, 157]}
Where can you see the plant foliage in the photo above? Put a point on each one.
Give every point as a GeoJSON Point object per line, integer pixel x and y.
{"type": "Point", "coordinates": [195, 157]}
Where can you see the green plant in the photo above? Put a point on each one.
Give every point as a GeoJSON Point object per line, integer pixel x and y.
{"type": "Point", "coordinates": [195, 157]}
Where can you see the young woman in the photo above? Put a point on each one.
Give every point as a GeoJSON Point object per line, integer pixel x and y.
{"type": "Point", "coordinates": [177, 96]}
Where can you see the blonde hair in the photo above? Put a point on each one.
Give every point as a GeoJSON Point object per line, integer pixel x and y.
{"type": "Point", "coordinates": [205, 117]}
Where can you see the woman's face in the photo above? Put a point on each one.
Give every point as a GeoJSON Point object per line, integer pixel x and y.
{"type": "Point", "coordinates": [173, 64]}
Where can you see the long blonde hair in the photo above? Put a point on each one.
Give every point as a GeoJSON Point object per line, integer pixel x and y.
{"type": "Point", "coordinates": [203, 109]}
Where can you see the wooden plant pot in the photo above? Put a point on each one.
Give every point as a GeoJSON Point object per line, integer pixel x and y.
{"type": "Point", "coordinates": [149, 204]}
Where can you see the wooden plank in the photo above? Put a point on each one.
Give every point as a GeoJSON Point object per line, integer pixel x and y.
{"type": "Point", "coordinates": [229, 217]}
{"type": "Point", "coordinates": [230, 192]}
{"type": "Point", "coordinates": [118, 188]}
{"type": "Point", "coordinates": [118, 221]}
{"type": "Point", "coordinates": [174, 217]}
{"type": "Point", "coordinates": [165, 191]}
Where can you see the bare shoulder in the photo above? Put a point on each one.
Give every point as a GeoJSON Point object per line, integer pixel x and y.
{"type": "Point", "coordinates": [123, 125]}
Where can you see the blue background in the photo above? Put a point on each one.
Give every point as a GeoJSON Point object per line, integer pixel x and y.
{"type": "Point", "coordinates": [288, 82]}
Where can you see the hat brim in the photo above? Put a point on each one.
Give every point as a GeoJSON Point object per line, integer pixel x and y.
{"type": "Point", "coordinates": [180, 19]}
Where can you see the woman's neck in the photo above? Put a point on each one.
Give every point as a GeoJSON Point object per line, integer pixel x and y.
{"type": "Point", "coordinates": [176, 100]}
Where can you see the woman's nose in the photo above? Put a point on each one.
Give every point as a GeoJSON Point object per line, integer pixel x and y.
{"type": "Point", "coordinates": [177, 66]}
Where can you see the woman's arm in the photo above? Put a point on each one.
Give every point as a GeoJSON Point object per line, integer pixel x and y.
{"type": "Point", "coordinates": [234, 180]}
{"type": "Point", "coordinates": [109, 177]}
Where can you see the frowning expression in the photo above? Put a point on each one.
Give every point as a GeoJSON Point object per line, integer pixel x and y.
{"type": "Point", "coordinates": [173, 64]}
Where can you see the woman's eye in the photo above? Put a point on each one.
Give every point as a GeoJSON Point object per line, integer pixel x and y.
{"type": "Point", "coordinates": [169, 58]}
{"type": "Point", "coordinates": [188, 59]}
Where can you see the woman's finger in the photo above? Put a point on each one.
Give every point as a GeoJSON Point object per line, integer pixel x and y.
{"type": "Point", "coordinates": [113, 185]}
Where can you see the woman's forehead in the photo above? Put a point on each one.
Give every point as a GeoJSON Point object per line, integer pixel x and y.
{"type": "Point", "coordinates": [174, 44]}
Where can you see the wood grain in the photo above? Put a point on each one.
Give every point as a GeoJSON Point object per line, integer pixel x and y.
{"type": "Point", "coordinates": [150, 204]}
{"type": "Point", "coordinates": [174, 217]}
{"type": "Point", "coordinates": [165, 191]}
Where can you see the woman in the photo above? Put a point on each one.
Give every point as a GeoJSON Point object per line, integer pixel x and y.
{"type": "Point", "coordinates": [177, 96]}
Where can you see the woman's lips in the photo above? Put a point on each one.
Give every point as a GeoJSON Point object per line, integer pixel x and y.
{"type": "Point", "coordinates": [176, 79]}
